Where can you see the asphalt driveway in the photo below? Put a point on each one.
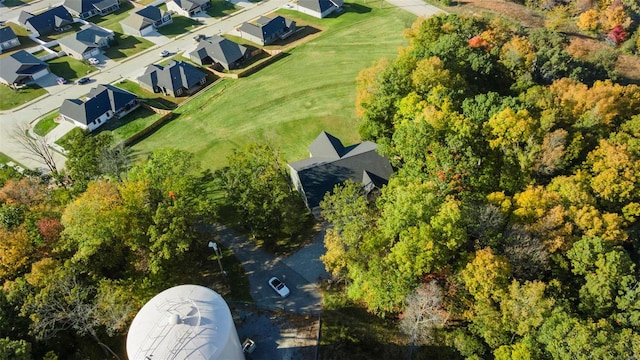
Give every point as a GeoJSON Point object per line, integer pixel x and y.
{"type": "Point", "coordinates": [260, 266]}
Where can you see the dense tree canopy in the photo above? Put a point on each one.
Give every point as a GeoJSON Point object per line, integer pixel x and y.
{"type": "Point", "coordinates": [516, 189]}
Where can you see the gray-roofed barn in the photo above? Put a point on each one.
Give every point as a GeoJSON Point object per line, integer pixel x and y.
{"type": "Point", "coordinates": [21, 67]}
{"type": "Point", "coordinates": [219, 51]}
{"type": "Point", "coordinates": [177, 78]}
{"type": "Point", "coordinates": [331, 163]}
{"type": "Point", "coordinates": [47, 22]}
{"type": "Point", "coordinates": [8, 38]}
{"type": "Point", "coordinates": [103, 103]}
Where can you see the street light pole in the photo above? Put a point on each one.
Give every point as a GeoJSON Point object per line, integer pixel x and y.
{"type": "Point", "coordinates": [218, 252]}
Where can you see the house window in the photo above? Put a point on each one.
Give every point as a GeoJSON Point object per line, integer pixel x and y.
{"type": "Point", "coordinates": [179, 91]}
{"type": "Point", "coordinates": [204, 80]}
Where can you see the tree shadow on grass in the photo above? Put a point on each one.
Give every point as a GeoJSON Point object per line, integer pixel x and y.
{"type": "Point", "coordinates": [122, 42]}
{"type": "Point", "coordinates": [351, 8]}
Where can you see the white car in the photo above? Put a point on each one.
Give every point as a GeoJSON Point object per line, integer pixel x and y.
{"type": "Point", "coordinates": [164, 53]}
{"type": "Point", "coordinates": [93, 61]}
{"type": "Point", "coordinates": [279, 287]}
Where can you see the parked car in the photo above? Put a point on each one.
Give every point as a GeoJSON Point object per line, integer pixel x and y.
{"type": "Point", "coordinates": [61, 81]}
{"type": "Point", "coordinates": [165, 53]}
{"type": "Point", "coordinates": [93, 61]}
{"type": "Point", "coordinates": [279, 287]}
{"type": "Point", "coordinates": [199, 37]}
{"type": "Point", "coordinates": [83, 80]}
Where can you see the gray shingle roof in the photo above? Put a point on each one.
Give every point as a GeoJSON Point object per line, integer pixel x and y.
{"type": "Point", "coordinates": [320, 5]}
{"type": "Point", "coordinates": [175, 75]}
{"type": "Point", "coordinates": [6, 34]}
{"type": "Point", "coordinates": [100, 100]}
{"type": "Point", "coordinates": [266, 27]}
{"type": "Point", "coordinates": [82, 6]}
{"type": "Point", "coordinates": [150, 12]}
{"type": "Point", "coordinates": [331, 163]}
{"type": "Point", "coordinates": [20, 64]}
{"type": "Point", "coordinates": [47, 21]}
{"type": "Point", "coordinates": [190, 4]}
{"type": "Point", "coordinates": [88, 37]}
{"type": "Point", "coordinates": [219, 49]}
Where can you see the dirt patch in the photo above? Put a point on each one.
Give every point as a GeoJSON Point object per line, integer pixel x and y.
{"type": "Point", "coordinates": [522, 14]}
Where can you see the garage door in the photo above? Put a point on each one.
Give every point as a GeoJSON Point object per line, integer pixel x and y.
{"type": "Point", "coordinates": [40, 74]}
{"type": "Point", "coordinates": [147, 30]}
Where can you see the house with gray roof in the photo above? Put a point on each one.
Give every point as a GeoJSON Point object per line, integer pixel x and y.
{"type": "Point", "coordinates": [8, 39]}
{"type": "Point", "coordinates": [21, 67]}
{"type": "Point", "coordinates": [331, 163]}
{"type": "Point", "coordinates": [319, 8]}
{"type": "Point", "coordinates": [177, 78]}
{"type": "Point", "coordinates": [85, 9]}
{"type": "Point", "coordinates": [267, 30]}
{"type": "Point", "coordinates": [53, 20]}
{"type": "Point", "coordinates": [145, 21]}
{"type": "Point", "coordinates": [103, 103]}
{"type": "Point", "coordinates": [219, 52]}
{"type": "Point", "coordinates": [188, 8]}
{"type": "Point", "coordinates": [87, 42]}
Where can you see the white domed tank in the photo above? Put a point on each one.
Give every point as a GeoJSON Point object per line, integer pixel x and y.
{"type": "Point", "coordinates": [184, 322]}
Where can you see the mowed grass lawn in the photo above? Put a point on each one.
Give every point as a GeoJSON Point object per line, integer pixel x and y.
{"type": "Point", "coordinates": [10, 98]}
{"type": "Point", "coordinates": [70, 68]}
{"type": "Point", "coordinates": [290, 101]}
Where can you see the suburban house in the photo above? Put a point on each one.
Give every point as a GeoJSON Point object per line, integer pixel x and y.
{"type": "Point", "coordinates": [145, 21]}
{"type": "Point", "coordinates": [331, 163]}
{"type": "Point", "coordinates": [267, 30]}
{"type": "Point", "coordinates": [319, 8]}
{"type": "Point", "coordinates": [188, 8]}
{"type": "Point", "coordinates": [87, 42]}
{"type": "Point", "coordinates": [47, 22]}
{"type": "Point", "coordinates": [219, 52]}
{"type": "Point", "coordinates": [21, 67]}
{"type": "Point", "coordinates": [85, 9]}
{"type": "Point", "coordinates": [102, 104]}
{"type": "Point", "coordinates": [8, 39]}
{"type": "Point", "coordinates": [177, 78]}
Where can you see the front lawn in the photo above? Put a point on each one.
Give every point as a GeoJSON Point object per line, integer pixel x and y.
{"type": "Point", "coordinates": [126, 45]}
{"type": "Point", "coordinates": [179, 26]}
{"type": "Point", "coordinates": [221, 8]}
{"type": "Point", "coordinates": [44, 126]}
{"type": "Point", "coordinates": [291, 101]}
{"type": "Point", "coordinates": [10, 98]}
{"type": "Point", "coordinates": [70, 68]}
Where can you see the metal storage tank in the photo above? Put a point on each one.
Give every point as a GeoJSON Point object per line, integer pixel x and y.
{"type": "Point", "coordinates": [184, 322]}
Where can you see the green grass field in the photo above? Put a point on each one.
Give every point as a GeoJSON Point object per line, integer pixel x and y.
{"type": "Point", "coordinates": [44, 126]}
{"type": "Point", "coordinates": [179, 26]}
{"type": "Point", "coordinates": [10, 98]}
{"type": "Point", "coordinates": [70, 68]}
{"type": "Point", "coordinates": [221, 8]}
{"type": "Point", "coordinates": [290, 101]}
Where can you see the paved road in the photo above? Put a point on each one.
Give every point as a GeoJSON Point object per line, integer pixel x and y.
{"type": "Point", "coordinates": [260, 266]}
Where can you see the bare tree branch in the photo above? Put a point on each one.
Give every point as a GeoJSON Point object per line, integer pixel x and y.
{"type": "Point", "coordinates": [423, 314]}
{"type": "Point", "coordinates": [37, 148]}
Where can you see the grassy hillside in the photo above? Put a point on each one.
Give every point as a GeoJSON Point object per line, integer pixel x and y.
{"type": "Point", "coordinates": [293, 99]}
